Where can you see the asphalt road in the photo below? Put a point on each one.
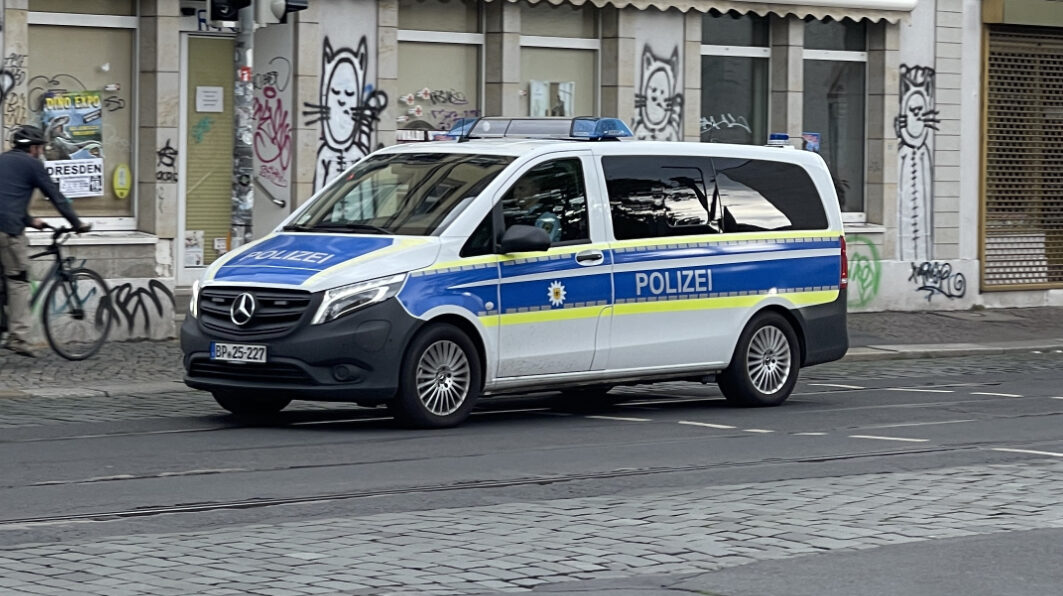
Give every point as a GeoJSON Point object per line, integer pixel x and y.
{"type": "Point", "coordinates": [949, 470]}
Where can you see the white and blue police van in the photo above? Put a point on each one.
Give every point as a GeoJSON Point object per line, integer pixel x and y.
{"type": "Point", "coordinates": [530, 255]}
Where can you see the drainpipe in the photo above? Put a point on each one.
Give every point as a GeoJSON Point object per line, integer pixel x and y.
{"type": "Point", "coordinates": [243, 114]}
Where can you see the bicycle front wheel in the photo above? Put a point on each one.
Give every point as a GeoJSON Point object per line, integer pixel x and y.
{"type": "Point", "coordinates": [77, 314]}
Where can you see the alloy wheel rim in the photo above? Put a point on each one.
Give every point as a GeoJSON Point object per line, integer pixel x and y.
{"type": "Point", "coordinates": [768, 361]}
{"type": "Point", "coordinates": [443, 377]}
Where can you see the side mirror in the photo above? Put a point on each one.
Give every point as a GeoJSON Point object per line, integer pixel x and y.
{"type": "Point", "coordinates": [520, 238]}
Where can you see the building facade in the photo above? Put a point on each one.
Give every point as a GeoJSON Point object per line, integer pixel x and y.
{"type": "Point", "coordinates": [940, 119]}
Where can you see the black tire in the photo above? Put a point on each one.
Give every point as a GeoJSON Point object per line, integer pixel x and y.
{"type": "Point", "coordinates": [78, 315]}
{"type": "Point", "coordinates": [765, 365]}
{"type": "Point", "coordinates": [440, 379]}
{"type": "Point", "coordinates": [249, 406]}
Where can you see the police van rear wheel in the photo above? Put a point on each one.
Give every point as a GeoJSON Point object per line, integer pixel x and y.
{"type": "Point", "coordinates": [440, 380]}
{"type": "Point", "coordinates": [764, 368]}
{"type": "Point", "coordinates": [249, 406]}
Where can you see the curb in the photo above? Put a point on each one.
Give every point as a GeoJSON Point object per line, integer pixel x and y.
{"type": "Point", "coordinates": [92, 391]}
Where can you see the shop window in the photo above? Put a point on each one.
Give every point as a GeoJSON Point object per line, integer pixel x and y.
{"type": "Point", "coordinates": [560, 81]}
{"type": "Point", "coordinates": [734, 78]}
{"type": "Point", "coordinates": [460, 16]}
{"type": "Point", "coordinates": [547, 20]}
{"type": "Point", "coordinates": [439, 83]}
{"type": "Point", "coordinates": [835, 104]}
{"type": "Point", "coordinates": [559, 60]}
{"type": "Point", "coordinates": [83, 101]}
{"type": "Point", "coordinates": [551, 196]}
{"type": "Point", "coordinates": [122, 8]}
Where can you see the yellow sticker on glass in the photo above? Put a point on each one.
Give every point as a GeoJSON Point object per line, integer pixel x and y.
{"type": "Point", "coordinates": [123, 181]}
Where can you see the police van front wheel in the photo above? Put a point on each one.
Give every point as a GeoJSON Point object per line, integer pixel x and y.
{"type": "Point", "coordinates": [440, 379]}
{"type": "Point", "coordinates": [764, 368]}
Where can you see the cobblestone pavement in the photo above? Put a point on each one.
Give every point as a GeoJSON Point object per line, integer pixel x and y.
{"type": "Point", "coordinates": [516, 546]}
{"type": "Point", "coordinates": [117, 362]}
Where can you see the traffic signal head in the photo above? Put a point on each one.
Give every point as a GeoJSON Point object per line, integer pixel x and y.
{"type": "Point", "coordinates": [226, 10]}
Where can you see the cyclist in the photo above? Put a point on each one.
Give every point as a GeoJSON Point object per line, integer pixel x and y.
{"type": "Point", "coordinates": [21, 172]}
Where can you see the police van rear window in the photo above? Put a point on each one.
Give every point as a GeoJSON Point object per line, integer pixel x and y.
{"type": "Point", "coordinates": [655, 196]}
{"type": "Point", "coordinates": [414, 194]}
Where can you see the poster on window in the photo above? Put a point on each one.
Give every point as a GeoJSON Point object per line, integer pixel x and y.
{"type": "Point", "coordinates": [551, 98]}
{"type": "Point", "coordinates": [73, 126]}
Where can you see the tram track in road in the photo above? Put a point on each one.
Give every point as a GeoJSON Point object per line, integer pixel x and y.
{"type": "Point", "coordinates": [244, 504]}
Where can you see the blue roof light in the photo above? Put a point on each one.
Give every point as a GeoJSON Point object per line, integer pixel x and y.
{"type": "Point", "coordinates": [600, 128]}
{"type": "Point", "coordinates": [580, 128]}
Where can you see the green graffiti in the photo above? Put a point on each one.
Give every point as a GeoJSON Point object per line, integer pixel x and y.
{"type": "Point", "coordinates": [865, 270]}
{"type": "Point", "coordinates": [201, 128]}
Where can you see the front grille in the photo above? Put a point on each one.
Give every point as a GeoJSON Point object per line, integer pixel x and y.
{"type": "Point", "coordinates": [277, 311]}
{"type": "Point", "coordinates": [271, 372]}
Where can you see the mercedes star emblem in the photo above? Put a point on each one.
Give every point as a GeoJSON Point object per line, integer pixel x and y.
{"type": "Point", "coordinates": [243, 309]}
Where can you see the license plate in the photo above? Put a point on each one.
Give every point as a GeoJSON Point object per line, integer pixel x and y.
{"type": "Point", "coordinates": [237, 352]}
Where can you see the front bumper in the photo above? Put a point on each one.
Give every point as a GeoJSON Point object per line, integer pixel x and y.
{"type": "Point", "coordinates": [355, 358]}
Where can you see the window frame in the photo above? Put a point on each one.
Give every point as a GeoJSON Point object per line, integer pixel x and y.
{"type": "Point", "coordinates": [733, 51]}
{"type": "Point", "coordinates": [458, 38]}
{"type": "Point", "coordinates": [849, 217]}
{"type": "Point", "coordinates": [104, 223]}
{"type": "Point", "coordinates": [574, 43]}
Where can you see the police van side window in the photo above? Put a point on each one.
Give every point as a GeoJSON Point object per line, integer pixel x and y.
{"type": "Point", "coordinates": [758, 195]}
{"type": "Point", "coordinates": [481, 242]}
{"type": "Point", "coordinates": [551, 196]}
{"type": "Point", "coordinates": [655, 196]}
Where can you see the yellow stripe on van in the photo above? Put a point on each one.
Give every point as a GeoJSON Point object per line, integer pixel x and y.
{"type": "Point", "coordinates": [796, 298]}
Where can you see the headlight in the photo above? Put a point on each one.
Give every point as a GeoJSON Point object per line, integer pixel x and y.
{"type": "Point", "coordinates": [347, 299]}
{"type": "Point", "coordinates": [193, 305]}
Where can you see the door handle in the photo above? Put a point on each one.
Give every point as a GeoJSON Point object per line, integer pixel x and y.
{"type": "Point", "coordinates": [590, 257]}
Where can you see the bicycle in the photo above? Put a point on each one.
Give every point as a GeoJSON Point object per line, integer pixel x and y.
{"type": "Point", "coordinates": [76, 311]}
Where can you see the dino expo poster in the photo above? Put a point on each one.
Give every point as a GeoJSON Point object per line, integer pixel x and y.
{"type": "Point", "coordinates": [73, 126]}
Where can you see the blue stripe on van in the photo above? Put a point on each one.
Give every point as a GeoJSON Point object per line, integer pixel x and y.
{"type": "Point", "coordinates": [291, 259]}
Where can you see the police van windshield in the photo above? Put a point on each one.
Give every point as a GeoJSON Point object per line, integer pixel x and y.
{"type": "Point", "coordinates": [413, 194]}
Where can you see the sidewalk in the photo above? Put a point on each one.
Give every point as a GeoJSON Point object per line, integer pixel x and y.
{"type": "Point", "coordinates": [148, 367]}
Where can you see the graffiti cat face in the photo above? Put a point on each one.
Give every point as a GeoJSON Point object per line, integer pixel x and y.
{"type": "Point", "coordinates": [342, 75]}
{"type": "Point", "coordinates": [658, 91]}
{"type": "Point", "coordinates": [917, 116]}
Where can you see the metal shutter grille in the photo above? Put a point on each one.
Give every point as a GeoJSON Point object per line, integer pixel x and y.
{"type": "Point", "coordinates": [1023, 223]}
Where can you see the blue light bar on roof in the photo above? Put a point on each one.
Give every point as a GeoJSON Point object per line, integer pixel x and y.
{"type": "Point", "coordinates": [600, 128]}
{"type": "Point", "coordinates": [581, 128]}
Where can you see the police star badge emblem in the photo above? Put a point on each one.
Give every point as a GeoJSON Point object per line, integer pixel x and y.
{"type": "Point", "coordinates": [556, 293]}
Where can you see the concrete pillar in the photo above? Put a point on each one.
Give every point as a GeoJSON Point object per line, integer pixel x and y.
{"type": "Point", "coordinates": [387, 67]}
{"type": "Point", "coordinates": [692, 76]}
{"type": "Point", "coordinates": [15, 110]}
{"type": "Point", "coordinates": [502, 61]}
{"type": "Point", "coordinates": [619, 56]}
{"type": "Point", "coordinates": [883, 64]}
{"type": "Point", "coordinates": [787, 75]}
{"type": "Point", "coordinates": [159, 107]}
{"type": "Point", "coordinates": [307, 69]}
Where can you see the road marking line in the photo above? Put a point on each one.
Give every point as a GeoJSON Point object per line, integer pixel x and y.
{"type": "Point", "coordinates": [1028, 451]}
{"type": "Point", "coordinates": [516, 411]}
{"type": "Point", "coordinates": [877, 438]}
{"type": "Point", "coordinates": [810, 434]}
{"type": "Point", "coordinates": [995, 394]}
{"type": "Point", "coordinates": [705, 424]}
{"type": "Point", "coordinates": [619, 418]}
{"type": "Point", "coordinates": [337, 421]}
{"type": "Point", "coordinates": [918, 390]}
{"type": "Point", "coordinates": [836, 385]}
{"type": "Point", "coordinates": [756, 430]}
{"type": "Point", "coordinates": [1055, 398]}
{"type": "Point", "coordinates": [920, 424]}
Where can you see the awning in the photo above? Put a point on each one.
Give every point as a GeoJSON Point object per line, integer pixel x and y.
{"type": "Point", "coordinates": [873, 10]}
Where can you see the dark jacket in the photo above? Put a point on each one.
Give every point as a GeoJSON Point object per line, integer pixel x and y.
{"type": "Point", "coordinates": [20, 174]}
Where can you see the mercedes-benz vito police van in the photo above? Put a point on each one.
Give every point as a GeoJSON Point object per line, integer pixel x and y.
{"type": "Point", "coordinates": [427, 276]}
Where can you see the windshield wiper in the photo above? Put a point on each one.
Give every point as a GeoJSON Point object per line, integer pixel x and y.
{"type": "Point", "coordinates": [351, 227]}
{"type": "Point", "coordinates": [297, 228]}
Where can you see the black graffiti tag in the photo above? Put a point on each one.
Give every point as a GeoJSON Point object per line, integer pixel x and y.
{"type": "Point", "coordinates": [938, 278]}
{"type": "Point", "coordinates": [129, 303]}
{"type": "Point", "coordinates": [166, 168]}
